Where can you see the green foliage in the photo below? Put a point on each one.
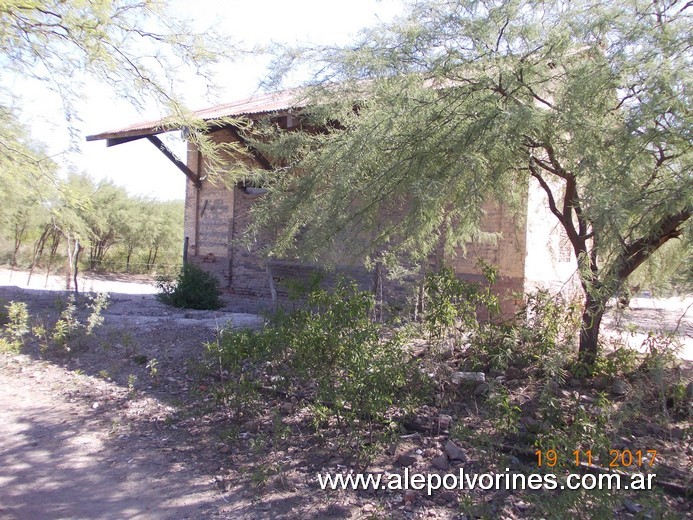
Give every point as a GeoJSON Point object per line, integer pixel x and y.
{"type": "Point", "coordinates": [582, 426]}
{"type": "Point", "coordinates": [65, 335]}
{"type": "Point", "coordinates": [117, 232]}
{"type": "Point", "coordinates": [24, 172]}
{"type": "Point", "coordinates": [582, 504]}
{"type": "Point", "coordinates": [16, 327]}
{"type": "Point", "coordinates": [60, 44]}
{"type": "Point", "coordinates": [18, 320]}
{"type": "Point", "coordinates": [192, 289]}
{"type": "Point", "coordinates": [336, 344]}
{"type": "Point", "coordinates": [451, 302]}
{"type": "Point", "coordinates": [118, 42]}
{"type": "Point", "coordinates": [97, 305]}
{"type": "Point", "coordinates": [506, 414]}
{"type": "Point", "coordinates": [331, 347]}
{"type": "Point", "coordinates": [668, 271]}
{"type": "Point", "coordinates": [67, 325]}
{"type": "Point", "coordinates": [153, 368]}
{"type": "Point", "coordinates": [620, 362]}
{"type": "Point", "coordinates": [541, 336]}
{"type": "Point", "coordinates": [132, 391]}
{"type": "Point", "coordinates": [68, 331]}
{"type": "Point", "coordinates": [4, 317]}
{"type": "Point", "coordinates": [297, 289]}
{"type": "Point", "coordinates": [679, 400]}
{"type": "Point", "coordinates": [461, 103]}
{"type": "Point", "coordinates": [234, 355]}
{"type": "Point", "coordinates": [547, 328]}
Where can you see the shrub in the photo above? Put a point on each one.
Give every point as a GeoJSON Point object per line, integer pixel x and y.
{"type": "Point", "coordinates": [540, 336]}
{"type": "Point", "coordinates": [67, 326]}
{"type": "Point", "coordinates": [336, 344]}
{"type": "Point", "coordinates": [4, 316]}
{"type": "Point", "coordinates": [331, 352]}
{"type": "Point", "coordinates": [15, 328]}
{"type": "Point", "coordinates": [192, 289]}
{"type": "Point", "coordinates": [452, 302]}
{"type": "Point", "coordinates": [68, 331]}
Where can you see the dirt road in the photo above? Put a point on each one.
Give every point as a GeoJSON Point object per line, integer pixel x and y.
{"type": "Point", "coordinates": [63, 457]}
{"type": "Point", "coordinates": [96, 435]}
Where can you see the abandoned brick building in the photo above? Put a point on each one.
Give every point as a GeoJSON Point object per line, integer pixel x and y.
{"type": "Point", "coordinates": [531, 253]}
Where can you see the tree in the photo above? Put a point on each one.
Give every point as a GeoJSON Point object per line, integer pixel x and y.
{"type": "Point", "coordinates": [135, 46]}
{"type": "Point", "coordinates": [24, 171]}
{"type": "Point", "coordinates": [465, 101]}
{"type": "Point", "coordinates": [162, 230]}
{"type": "Point", "coordinates": [138, 49]}
{"type": "Point", "coordinates": [131, 228]}
{"type": "Point", "coordinates": [74, 208]}
{"type": "Point", "coordinates": [105, 222]}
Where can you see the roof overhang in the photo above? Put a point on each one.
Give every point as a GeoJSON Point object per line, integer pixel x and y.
{"type": "Point", "coordinates": [252, 108]}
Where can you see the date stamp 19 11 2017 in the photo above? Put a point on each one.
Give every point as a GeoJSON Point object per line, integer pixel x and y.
{"type": "Point", "coordinates": [616, 459]}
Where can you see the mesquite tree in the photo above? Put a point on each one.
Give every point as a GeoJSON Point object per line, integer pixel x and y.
{"type": "Point", "coordinates": [465, 101]}
{"type": "Point", "coordinates": [137, 49]}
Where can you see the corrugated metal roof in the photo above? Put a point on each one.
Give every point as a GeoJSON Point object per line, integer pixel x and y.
{"type": "Point", "coordinates": [251, 107]}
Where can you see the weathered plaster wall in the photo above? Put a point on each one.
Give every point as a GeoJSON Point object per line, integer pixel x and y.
{"type": "Point", "coordinates": [208, 218]}
{"type": "Point", "coordinates": [507, 254]}
{"type": "Point", "coordinates": [550, 262]}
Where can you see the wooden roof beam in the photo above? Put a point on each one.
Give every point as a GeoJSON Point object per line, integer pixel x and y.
{"type": "Point", "coordinates": [175, 160]}
{"type": "Point", "coordinates": [114, 141]}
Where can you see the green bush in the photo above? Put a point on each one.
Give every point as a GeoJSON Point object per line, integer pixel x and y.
{"type": "Point", "coordinates": [69, 332]}
{"type": "Point", "coordinates": [15, 328]}
{"type": "Point", "coordinates": [192, 289]}
{"type": "Point", "coordinates": [541, 336]}
{"type": "Point", "coordinates": [454, 303]}
{"type": "Point", "coordinates": [331, 352]}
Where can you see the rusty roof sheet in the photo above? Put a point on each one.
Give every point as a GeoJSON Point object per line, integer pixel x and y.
{"type": "Point", "coordinates": [251, 107]}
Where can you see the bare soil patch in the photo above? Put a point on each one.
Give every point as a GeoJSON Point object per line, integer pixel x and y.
{"type": "Point", "coordinates": [110, 429]}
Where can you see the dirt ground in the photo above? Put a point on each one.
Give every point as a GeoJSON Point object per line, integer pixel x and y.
{"type": "Point", "coordinates": [123, 426]}
{"type": "Point", "coordinates": [95, 435]}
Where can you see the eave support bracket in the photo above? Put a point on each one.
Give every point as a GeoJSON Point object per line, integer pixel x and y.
{"type": "Point", "coordinates": [114, 141]}
{"type": "Point", "coordinates": [175, 160]}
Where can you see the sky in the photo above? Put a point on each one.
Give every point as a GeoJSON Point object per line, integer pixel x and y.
{"type": "Point", "coordinates": [139, 166]}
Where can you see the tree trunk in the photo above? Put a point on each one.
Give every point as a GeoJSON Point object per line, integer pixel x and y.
{"type": "Point", "coordinates": [19, 233]}
{"type": "Point", "coordinates": [589, 331]}
{"type": "Point", "coordinates": [75, 268]}
{"type": "Point", "coordinates": [127, 260]}
{"type": "Point", "coordinates": [54, 250]}
{"type": "Point", "coordinates": [38, 250]}
{"type": "Point", "coordinates": [68, 263]}
{"type": "Point", "coordinates": [73, 250]}
{"type": "Point", "coordinates": [152, 261]}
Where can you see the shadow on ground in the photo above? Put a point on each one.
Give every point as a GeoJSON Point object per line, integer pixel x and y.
{"type": "Point", "coordinates": [56, 462]}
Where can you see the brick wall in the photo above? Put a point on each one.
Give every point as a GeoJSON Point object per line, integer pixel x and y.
{"type": "Point", "coordinates": [507, 254]}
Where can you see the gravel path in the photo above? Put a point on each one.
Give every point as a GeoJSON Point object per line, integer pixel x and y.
{"type": "Point", "coordinates": [62, 458]}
